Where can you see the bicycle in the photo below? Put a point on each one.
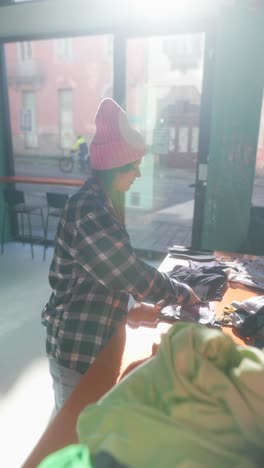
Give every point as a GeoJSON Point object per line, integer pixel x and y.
{"type": "Point", "coordinates": [67, 163]}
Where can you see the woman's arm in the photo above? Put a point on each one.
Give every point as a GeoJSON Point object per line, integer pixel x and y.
{"type": "Point", "coordinates": [106, 254]}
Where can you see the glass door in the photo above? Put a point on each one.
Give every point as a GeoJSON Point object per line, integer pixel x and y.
{"type": "Point", "coordinates": [164, 81]}
{"type": "Point", "coordinates": [256, 225]}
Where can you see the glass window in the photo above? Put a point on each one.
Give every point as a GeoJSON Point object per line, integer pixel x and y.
{"type": "Point", "coordinates": [172, 138]}
{"type": "Point", "coordinates": [163, 96]}
{"type": "Point", "coordinates": [185, 51]}
{"type": "Point", "coordinates": [51, 101]}
{"type": "Point", "coordinates": [195, 138]}
{"type": "Point", "coordinates": [56, 98]}
{"type": "Point", "coordinates": [183, 139]}
{"type": "Point", "coordinates": [66, 118]}
{"type": "Point", "coordinates": [258, 190]}
{"type": "Point", "coordinates": [254, 243]}
{"type": "Point", "coordinates": [135, 198]}
{"type": "Point", "coordinates": [63, 49]}
{"type": "Point", "coordinates": [24, 51]}
{"type": "Point", "coordinates": [29, 109]}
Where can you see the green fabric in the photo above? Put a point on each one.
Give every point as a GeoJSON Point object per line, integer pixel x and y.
{"type": "Point", "coordinates": [198, 403]}
{"type": "Point", "coordinates": [72, 456]}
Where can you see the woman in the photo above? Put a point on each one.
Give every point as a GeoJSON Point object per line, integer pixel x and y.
{"type": "Point", "coordinates": [94, 268]}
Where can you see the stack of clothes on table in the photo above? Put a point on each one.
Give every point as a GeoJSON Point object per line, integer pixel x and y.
{"type": "Point", "coordinates": [202, 263]}
{"type": "Point", "coordinates": [209, 281]}
{"type": "Point", "coordinates": [247, 317]}
{"type": "Point", "coordinates": [199, 402]}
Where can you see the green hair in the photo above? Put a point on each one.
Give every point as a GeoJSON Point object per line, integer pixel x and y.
{"type": "Point", "coordinates": [105, 179]}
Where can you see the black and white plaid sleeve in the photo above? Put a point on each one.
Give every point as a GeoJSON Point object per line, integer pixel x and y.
{"type": "Point", "coordinates": [105, 252]}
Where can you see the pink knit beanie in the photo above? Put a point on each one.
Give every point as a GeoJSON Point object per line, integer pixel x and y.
{"type": "Point", "coordinates": [115, 142]}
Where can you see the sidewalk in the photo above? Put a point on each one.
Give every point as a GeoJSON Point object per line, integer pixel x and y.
{"type": "Point", "coordinates": [159, 230]}
{"type": "Point", "coordinates": [31, 159]}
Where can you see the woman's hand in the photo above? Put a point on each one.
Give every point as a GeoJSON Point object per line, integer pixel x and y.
{"type": "Point", "coordinates": [193, 299]}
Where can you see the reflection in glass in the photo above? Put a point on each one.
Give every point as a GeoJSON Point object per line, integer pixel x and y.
{"type": "Point", "coordinates": [195, 139]}
{"type": "Point", "coordinates": [54, 89]}
{"type": "Point", "coordinates": [254, 243]}
{"type": "Point", "coordinates": [66, 118]}
{"type": "Point", "coordinates": [164, 85]}
{"type": "Point", "coordinates": [25, 51]}
{"type": "Point", "coordinates": [29, 109]}
{"type": "Point", "coordinates": [257, 197]}
{"type": "Point", "coordinates": [63, 49]}
{"type": "Point", "coordinates": [183, 139]}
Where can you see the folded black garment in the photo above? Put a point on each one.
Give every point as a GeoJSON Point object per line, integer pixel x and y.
{"type": "Point", "coordinates": [191, 254]}
{"type": "Point", "coordinates": [208, 282]}
{"type": "Point", "coordinates": [190, 250]}
{"type": "Point", "coordinates": [196, 257]}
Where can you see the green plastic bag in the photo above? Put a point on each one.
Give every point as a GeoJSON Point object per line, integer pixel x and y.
{"type": "Point", "coordinates": [72, 456]}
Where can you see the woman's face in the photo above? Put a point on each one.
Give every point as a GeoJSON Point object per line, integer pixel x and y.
{"type": "Point", "coordinates": [124, 180]}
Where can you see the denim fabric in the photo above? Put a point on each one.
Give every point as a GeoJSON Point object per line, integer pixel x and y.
{"type": "Point", "coordinates": [64, 382]}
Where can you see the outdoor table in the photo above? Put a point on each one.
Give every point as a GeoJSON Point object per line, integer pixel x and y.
{"type": "Point", "coordinates": [127, 346]}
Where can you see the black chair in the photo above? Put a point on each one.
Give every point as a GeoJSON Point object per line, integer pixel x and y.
{"type": "Point", "coordinates": [15, 204]}
{"type": "Point", "coordinates": [55, 204]}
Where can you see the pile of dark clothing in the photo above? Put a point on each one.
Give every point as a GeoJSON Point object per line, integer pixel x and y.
{"type": "Point", "coordinates": [209, 281]}
{"type": "Point", "coordinates": [247, 317]}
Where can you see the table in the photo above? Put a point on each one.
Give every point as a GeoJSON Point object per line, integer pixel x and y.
{"type": "Point", "coordinates": [129, 344]}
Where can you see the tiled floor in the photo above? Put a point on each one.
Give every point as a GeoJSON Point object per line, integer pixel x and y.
{"type": "Point", "coordinates": [26, 398]}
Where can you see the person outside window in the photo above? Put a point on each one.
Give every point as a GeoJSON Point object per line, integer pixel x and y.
{"type": "Point", "coordinates": [94, 267]}
{"type": "Point", "coordinates": [80, 147]}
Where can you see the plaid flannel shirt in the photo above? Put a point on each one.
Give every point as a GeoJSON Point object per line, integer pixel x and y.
{"type": "Point", "coordinates": [93, 271]}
